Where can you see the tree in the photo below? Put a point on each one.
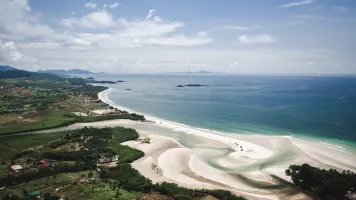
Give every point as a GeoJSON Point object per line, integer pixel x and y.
{"type": "Point", "coordinates": [47, 196]}
{"type": "Point", "coordinates": [117, 193]}
{"type": "Point", "coordinates": [328, 184]}
{"type": "Point", "coordinates": [54, 177]}
{"type": "Point", "coordinates": [24, 192]}
{"type": "Point", "coordinates": [11, 197]}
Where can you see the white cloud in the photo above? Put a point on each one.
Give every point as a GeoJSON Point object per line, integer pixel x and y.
{"type": "Point", "coordinates": [90, 5]}
{"type": "Point", "coordinates": [114, 5]}
{"type": "Point", "coordinates": [304, 16]}
{"type": "Point", "coordinates": [178, 40]}
{"type": "Point", "coordinates": [101, 41]}
{"type": "Point", "coordinates": [17, 21]}
{"type": "Point", "coordinates": [232, 27]}
{"type": "Point", "coordinates": [148, 28]}
{"type": "Point", "coordinates": [131, 34]}
{"type": "Point", "coordinates": [42, 45]}
{"type": "Point", "coordinates": [296, 3]}
{"type": "Point", "coordinates": [341, 8]}
{"type": "Point", "coordinates": [202, 34]}
{"type": "Point", "coordinates": [234, 64]}
{"type": "Point", "coordinates": [105, 6]}
{"type": "Point", "coordinates": [253, 39]}
{"type": "Point", "coordinates": [98, 19]}
{"type": "Point", "coordinates": [10, 54]}
{"type": "Point", "coordinates": [80, 42]}
{"type": "Point", "coordinates": [150, 13]}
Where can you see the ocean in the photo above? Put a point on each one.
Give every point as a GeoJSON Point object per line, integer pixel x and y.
{"type": "Point", "coordinates": [316, 108]}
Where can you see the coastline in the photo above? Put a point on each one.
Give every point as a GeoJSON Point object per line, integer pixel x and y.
{"type": "Point", "coordinates": [103, 96]}
{"type": "Point", "coordinates": [244, 164]}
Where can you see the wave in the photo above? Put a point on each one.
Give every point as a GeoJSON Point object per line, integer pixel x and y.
{"type": "Point", "coordinates": [333, 146]}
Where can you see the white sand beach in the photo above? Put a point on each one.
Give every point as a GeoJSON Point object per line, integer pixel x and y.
{"type": "Point", "coordinates": [244, 164]}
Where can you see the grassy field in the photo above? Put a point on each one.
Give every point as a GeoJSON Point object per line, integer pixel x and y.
{"type": "Point", "coordinates": [11, 145]}
{"type": "Point", "coordinates": [4, 170]}
{"type": "Point", "coordinates": [53, 118]}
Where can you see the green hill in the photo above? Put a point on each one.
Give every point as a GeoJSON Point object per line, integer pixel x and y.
{"type": "Point", "coordinates": [65, 72]}
{"type": "Point", "coordinates": [4, 68]}
{"type": "Point", "coordinates": [24, 74]}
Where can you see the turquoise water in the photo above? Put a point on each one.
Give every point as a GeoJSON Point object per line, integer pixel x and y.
{"type": "Point", "coordinates": [304, 107]}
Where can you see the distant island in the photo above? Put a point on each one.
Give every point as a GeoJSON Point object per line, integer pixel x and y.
{"type": "Point", "coordinates": [108, 82]}
{"type": "Point", "coordinates": [92, 80]}
{"type": "Point", "coordinates": [67, 72]}
{"type": "Point", "coordinates": [120, 81]}
{"type": "Point", "coordinates": [192, 85]}
{"type": "Point", "coordinates": [201, 72]}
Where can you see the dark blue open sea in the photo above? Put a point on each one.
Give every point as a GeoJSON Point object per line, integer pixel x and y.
{"type": "Point", "coordinates": [304, 107]}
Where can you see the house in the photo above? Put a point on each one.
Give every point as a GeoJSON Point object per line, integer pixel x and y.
{"type": "Point", "coordinates": [75, 182]}
{"type": "Point", "coordinates": [2, 190]}
{"type": "Point", "coordinates": [115, 158]}
{"type": "Point", "coordinates": [16, 168]}
{"type": "Point", "coordinates": [42, 163]}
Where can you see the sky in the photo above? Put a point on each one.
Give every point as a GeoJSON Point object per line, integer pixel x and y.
{"type": "Point", "coordinates": [152, 36]}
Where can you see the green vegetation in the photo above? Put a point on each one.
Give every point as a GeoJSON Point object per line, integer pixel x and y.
{"type": "Point", "coordinates": [146, 141]}
{"type": "Point", "coordinates": [328, 184]}
{"type": "Point", "coordinates": [131, 116]}
{"type": "Point", "coordinates": [73, 173]}
{"type": "Point", "coordinates": [16, 144]}
{"type": "Point", "coordinates": [22, 74]}
{"type": "Point", "coordinates": [125, 153]}
{"type": "Point", "coordinates": [52, 119]}
{"type": "Point", "coordinates": [44, 101]}
{"type": "Point", "coordinates": [130, 179]}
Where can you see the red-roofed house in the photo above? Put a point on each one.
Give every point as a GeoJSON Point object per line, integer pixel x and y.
{"type": "Point", "coordinates": [16, 168]}
{"type": "Point", "coordinates": [42, 163]}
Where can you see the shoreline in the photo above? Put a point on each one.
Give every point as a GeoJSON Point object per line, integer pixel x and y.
{"type": "Point", "coordinates": [244, 164]}
{"type": "Point", "coordinates": [103, 96]}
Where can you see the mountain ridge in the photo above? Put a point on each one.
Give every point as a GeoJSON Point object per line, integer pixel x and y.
{"type": "Point", "coordinates": [66, 72]}
{"type": "Point", "coordinates": [4, 68]}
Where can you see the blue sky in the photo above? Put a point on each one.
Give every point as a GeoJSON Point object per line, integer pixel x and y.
{"type": "Point", "coordinates": [149, 36]}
